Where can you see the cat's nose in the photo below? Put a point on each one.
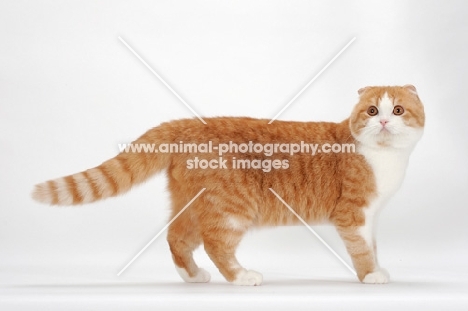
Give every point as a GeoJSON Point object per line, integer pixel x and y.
{"type": "Point", "coordinates": [383, 122]}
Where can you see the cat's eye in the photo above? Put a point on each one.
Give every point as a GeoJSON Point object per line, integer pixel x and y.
{"type": "Point", "coordinates": [372, 111]}
{"type": "Point", "coordinates": [398, 110]}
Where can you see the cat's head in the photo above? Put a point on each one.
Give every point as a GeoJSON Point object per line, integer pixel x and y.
{"type": "Point", "coordinates": [388, 117]}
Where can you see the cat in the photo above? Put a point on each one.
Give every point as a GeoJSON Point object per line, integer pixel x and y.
{"type": "Point", "coordinates": [345, 189]}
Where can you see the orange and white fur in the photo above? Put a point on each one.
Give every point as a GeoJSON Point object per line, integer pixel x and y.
{"type": "Point", "coordinates": [345, 189]}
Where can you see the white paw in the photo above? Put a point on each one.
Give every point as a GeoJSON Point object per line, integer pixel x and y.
{"type": "Point", "coordinates": [248, 277]}
{"type": "Point", "coordinates": [378, 277]}
{"type": "Point", "coordinates": [202, 276]}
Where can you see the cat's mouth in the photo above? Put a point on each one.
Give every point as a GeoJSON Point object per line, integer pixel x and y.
{"type": "Point", "coordinates": [384, 138]}
{"type": "Point", "coordinates": [385, 135]}
{"type": "Point", "coordinates": [384, 130]}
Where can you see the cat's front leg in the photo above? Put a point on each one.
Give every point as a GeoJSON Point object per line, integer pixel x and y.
{"type": "Point", "coordinates": [380, 276]}
{"type": "Point", "coordinates": [363, 255]}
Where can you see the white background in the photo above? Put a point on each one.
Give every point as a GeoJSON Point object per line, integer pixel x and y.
{"type": "Point", "coordinates": [70, 91]}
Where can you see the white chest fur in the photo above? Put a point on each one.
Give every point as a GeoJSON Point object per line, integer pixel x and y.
{"type": "Point", "coordinates": [389, 167]}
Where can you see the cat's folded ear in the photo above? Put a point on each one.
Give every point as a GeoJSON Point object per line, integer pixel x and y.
{"type": "Point", "coordinates": [363, 90]}
{"type": "Point", "coordinates": [410, 88]}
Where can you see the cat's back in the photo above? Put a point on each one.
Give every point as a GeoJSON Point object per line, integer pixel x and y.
{"type": "Point", "coordinates": [225, 129]}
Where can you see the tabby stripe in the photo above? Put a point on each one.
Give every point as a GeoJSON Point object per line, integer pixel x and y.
{"type": "Point", "coordinates": [125, 167]}
{"type": "Point", "coordinates": [103, 187]}
{"type": "Point", "coordinates": [92, 185]}
{"type": "Point", "coordinates": [64, 195]}
{"type": "Point", "coordinates": [53, 192]}
{"type": "Point", "coordinates": [109, 179]}
{"type": "Point", "coordinates": [83, 188]}
{"type": "Point", "coordinates": [72, 188]}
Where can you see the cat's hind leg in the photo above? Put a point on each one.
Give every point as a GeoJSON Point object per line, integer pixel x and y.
{"type": "Point", "coordinates": [184, 238]}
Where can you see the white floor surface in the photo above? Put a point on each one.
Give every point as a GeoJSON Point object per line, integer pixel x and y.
{"type": "Point", "coordinates": [321, 286]}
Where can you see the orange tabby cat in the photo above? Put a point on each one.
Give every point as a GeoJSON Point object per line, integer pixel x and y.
{"type": "Point", "coordinates": [345, 189]}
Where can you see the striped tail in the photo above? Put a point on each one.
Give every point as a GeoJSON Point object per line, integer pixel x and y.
{"type": "Point", "coordinates": [111, 178]}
